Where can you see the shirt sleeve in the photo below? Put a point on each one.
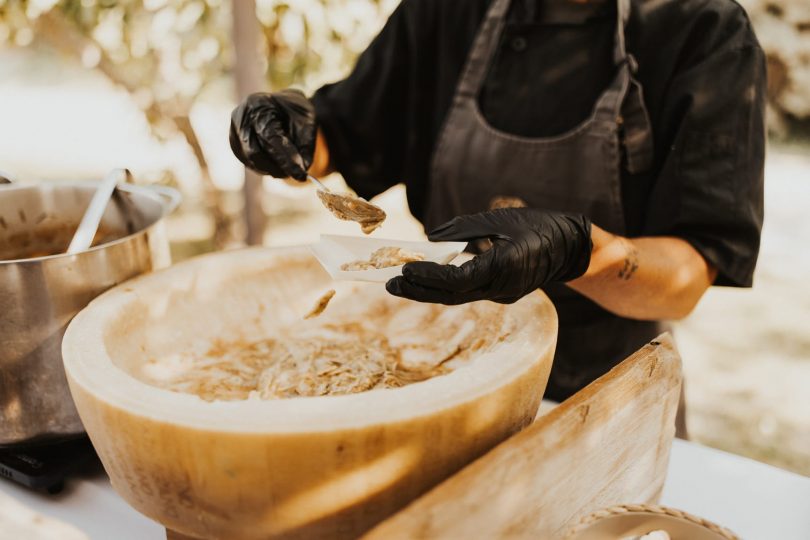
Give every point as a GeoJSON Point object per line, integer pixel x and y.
{"type": "Point", "coordinates": [710, 188]}
{"type": "Point", "coordinates": [366, 117]}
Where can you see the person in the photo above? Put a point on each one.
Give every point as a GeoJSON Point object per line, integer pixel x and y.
{"type": "Point", "coordinates": [609, 152]}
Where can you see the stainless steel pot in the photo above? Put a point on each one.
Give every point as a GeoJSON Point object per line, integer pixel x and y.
{"type": "Point", "coordinates": [40, 293]}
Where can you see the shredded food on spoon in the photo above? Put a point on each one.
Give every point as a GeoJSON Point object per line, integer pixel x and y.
{"type": "Point", "coordinates": [352, 208]}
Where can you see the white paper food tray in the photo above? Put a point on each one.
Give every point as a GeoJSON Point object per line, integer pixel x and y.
{"type": "Point", "coordinates": [333, 251]}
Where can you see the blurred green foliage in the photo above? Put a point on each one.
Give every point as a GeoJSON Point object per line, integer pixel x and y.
{"type": "Point", "coordinates": [167, 52]}
{"type": "Point", "coordinates": [783, 29]}
{"type": "Point", "coordinates": [164, 53]}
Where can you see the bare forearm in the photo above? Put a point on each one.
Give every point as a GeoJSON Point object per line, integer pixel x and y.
{"type": "Point", "coordinates": [644, 278]}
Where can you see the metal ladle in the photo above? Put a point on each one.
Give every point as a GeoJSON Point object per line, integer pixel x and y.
{"type": "Point", "coordinates": [83, 237]}
{"type": "Point", "coordinates": [350, 207]}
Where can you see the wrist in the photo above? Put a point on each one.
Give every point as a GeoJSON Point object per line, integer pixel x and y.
{"type": "Point", "coordinates": [320, 159]}
{"type": "Point", "coordinates": [607, 248]}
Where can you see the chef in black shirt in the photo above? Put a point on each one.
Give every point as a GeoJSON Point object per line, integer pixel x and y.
{"type": "Point", "coordinates": [609, 152]}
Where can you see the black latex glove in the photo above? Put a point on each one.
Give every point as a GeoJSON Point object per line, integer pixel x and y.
{"type": "Point", "coordinates": [530, 248]}
{"type": "Point", "coordinates": [275, 133]}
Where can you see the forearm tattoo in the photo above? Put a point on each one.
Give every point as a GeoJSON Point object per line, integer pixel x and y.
{"type": "Point", "coordinates": [630, 261]}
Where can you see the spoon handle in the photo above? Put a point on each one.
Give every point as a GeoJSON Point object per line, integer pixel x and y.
{"type": "Point", "coordinates": [318, 183]}
{"type": "Point", "coordinates": [83, 237]}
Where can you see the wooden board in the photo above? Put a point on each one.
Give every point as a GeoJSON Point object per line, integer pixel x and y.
{"type": "Point", "coordinates": [608, 444]}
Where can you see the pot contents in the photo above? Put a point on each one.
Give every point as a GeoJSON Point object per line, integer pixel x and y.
{"type": "Point", "coordinates": [384, 258]}
{"type": "Point", "coordinates": [352, 208]}
{"type": "Point", "coordinates": [323, 301]}
{"type": "Point", "coordinates": [46, 241]}
{"type": "Point", "coordinates": [381, 348]}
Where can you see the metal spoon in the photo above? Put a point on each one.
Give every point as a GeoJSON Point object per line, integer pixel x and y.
{"type": "Point", "coordinates": [349, 207]}
{"type": "Point", "coordinates": [83, 237]}
{"type": "Point", "coordinates": [317, 183]}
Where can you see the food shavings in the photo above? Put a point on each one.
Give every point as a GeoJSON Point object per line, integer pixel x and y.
{"type": "Point", "coordinates": [374, 348]}
{"type": "Point", "coordinates": [383, 258]}
{"type": "Point", "coordinates": [352, 208]}
{"type": "Point", "coordinates": [281, 367]}
{"type": "Point", "coordinates": [323, 301]}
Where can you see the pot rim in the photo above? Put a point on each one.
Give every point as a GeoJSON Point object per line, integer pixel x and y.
{"type": "Point", "coordinates": [167, 197]}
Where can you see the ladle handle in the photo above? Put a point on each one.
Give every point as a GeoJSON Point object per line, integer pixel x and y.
{"type": "Point", "coordinates": [83, 238]}
{"type": "Point", "coordinates": [171, 196]}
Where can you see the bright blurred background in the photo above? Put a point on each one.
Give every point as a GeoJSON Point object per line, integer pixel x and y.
{"type": "Point", "coordinates": [88, 85]}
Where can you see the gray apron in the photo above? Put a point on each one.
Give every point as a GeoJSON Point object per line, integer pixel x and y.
{"type": "Point", "coordinates": [477, 167]}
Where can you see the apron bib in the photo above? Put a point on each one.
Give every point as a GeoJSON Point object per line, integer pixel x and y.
{"type": "Point", "coordinates": [476, 167]}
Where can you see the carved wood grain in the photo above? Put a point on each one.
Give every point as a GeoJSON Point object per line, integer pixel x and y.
{"type": "Point", "coordinates": [608, 444]}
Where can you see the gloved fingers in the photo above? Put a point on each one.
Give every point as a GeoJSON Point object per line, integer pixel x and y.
{"type": "Point", "coordinates": [236, 144]}
{"type": "Point", "coordinates": [399, 286]}
{"type": "Point", "coordinates": [245, 145]}
{"type": "Point", "coordinates": [252, 158]}
{"type": "Point", "coordinates": [237, 117]}
{"type": "Point", "coordinates": [305, 138]}
{"type": "Point", "coordinates": [506, 299]}
{"type": "Point", "coordinates": [473, 274]}
{"type": "Point", "coordinates": [239, 135]}
{"type": "Point", "coordinates": [301, 123]}
{"type": "Point", "coordinates": [281, 149]}
{"type": "Point", "coordinates": [465, 228]}
{"type": "Point", "coordinates": [298, 107]}
{"type": "Point", "coordinates": [293, 98]}
{"type": "Point", "coordinates": [261, 137]}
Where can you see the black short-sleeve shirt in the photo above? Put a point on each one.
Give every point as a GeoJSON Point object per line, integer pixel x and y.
{"type": "Point", "coordinates": [701, 67]}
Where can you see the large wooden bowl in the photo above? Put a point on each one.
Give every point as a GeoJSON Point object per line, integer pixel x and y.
{"type": "Point", "coordinates": [307, 467]}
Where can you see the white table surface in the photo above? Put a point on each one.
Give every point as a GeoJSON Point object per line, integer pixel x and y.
{"type": "Point", "coordinates": [754, 500]}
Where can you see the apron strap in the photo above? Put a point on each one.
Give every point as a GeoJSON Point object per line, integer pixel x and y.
{"type": "Point", "coordinates": [609, 105]}
{"type": "Point", "coordinates": [637, 129]}
{"type": "Point", "coordinates": [483, 49]}
{"type": "Point", "coordinates": [624, 98]}
{"type": "Point", "coordinates": [622, 16]}
{"type": "Point", "coordinates": [638, 137]}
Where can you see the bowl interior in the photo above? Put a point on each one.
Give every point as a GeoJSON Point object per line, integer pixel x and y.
{"type": "Point", "coordinates": [190, 328]}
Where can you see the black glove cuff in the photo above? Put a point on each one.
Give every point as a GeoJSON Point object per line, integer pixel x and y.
{"type": "Point", "coordinates": [580, 247]}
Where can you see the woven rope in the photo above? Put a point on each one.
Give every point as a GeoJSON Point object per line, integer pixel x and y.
{"type": "Point", "coordinates": [651, 509]}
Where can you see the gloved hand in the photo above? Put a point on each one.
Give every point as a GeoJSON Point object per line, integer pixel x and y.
{"type": "Point", "coordinates": [530, 248]}
{"type": "Point", "coordinates": [275, 133]}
